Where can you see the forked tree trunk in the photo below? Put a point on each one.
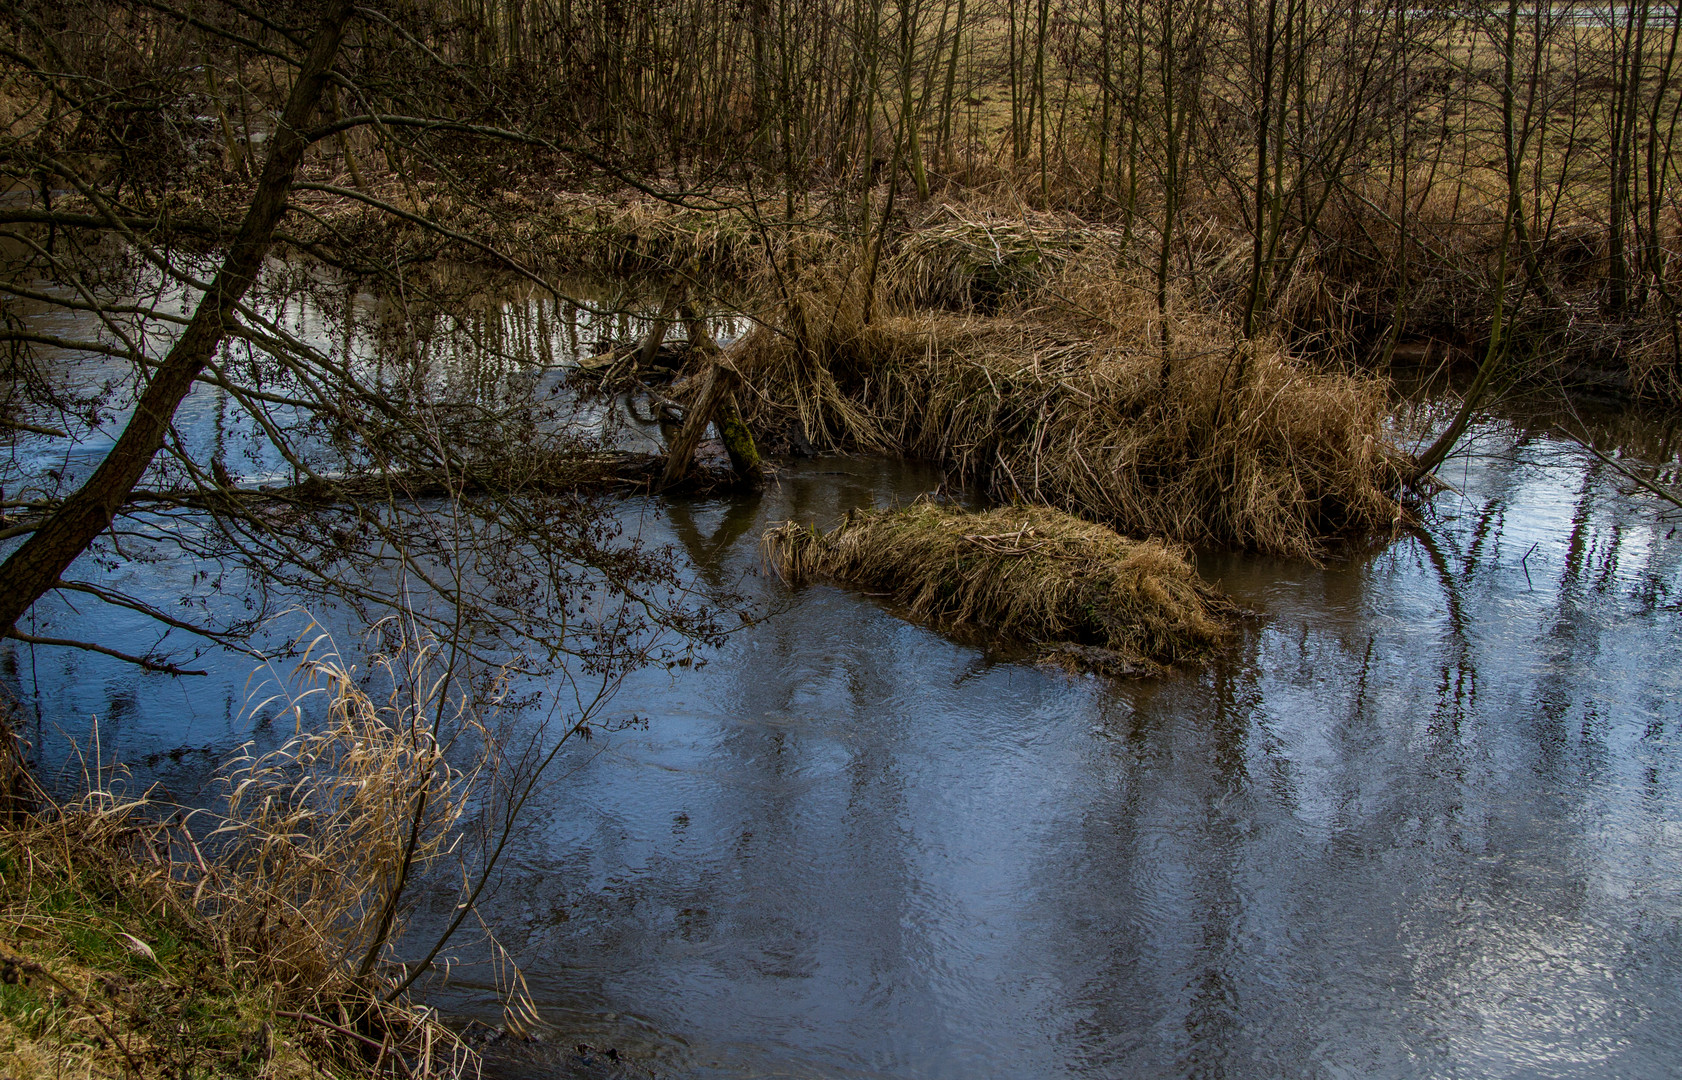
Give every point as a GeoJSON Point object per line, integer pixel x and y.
{"type": "Point", "coordinates": [34, 569]}
{"type": "Point", "coordinates": [715, 403]}
{"type": "Point", "coordinates": [680, 454]}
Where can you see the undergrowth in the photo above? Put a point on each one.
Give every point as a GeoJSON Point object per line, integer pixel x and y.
{"type": "Point", "coordinates": [107, 970]}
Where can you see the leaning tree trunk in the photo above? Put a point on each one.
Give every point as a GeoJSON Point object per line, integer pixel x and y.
{"type": "Point", "coordinates": [714, 402]}
{"type": "Point", "coordinates": [34, 569]}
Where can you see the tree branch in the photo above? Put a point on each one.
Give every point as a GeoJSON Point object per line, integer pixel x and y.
{"type": "Point", "coordinates": [141, 661]}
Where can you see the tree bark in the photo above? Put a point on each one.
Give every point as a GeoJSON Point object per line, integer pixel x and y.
{"type": "Point", "coordinates": [656, 337]}
{"type": "Point", "coordinates": [713, 402]}
{"type": "Point", "coordinates": [738, 440]}
{"type": "Point", "coordinates": [681, 453]}
{"type": "Point", "coordinates": [34, 569]}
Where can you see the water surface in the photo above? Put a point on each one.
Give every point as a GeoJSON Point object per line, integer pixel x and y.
{"type": "Point", "coordinates": [1423, 820]}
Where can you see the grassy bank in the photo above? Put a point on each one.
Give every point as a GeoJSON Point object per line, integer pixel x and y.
{"type": "Point", "coordinates": [1070, 399]}
{"type": "Point", "coordinates": [251, 937]}
{"type": "Point", "coordinates": [986, 248]}
{"type": "Point", "coordinates": [107, 970]}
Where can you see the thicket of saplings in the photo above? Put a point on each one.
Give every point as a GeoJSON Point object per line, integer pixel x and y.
{"type": "Point", "coordinates": [1143, 262]}
{"type": "Point", "coordinates": [1371, 180]}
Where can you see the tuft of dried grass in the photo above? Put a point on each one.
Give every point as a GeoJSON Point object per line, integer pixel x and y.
{"type": "Point", "coordinates": [977, 260]}
{"type": "Point", "coordinates": [323, 833]}
{"type": "Point", "coordinates": [1225, 442]}
{"type": "Point", "coordinates": [1019, 574]}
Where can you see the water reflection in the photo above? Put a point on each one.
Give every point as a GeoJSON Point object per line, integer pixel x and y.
{"type": "Point", "coordinates": [1422, 822]}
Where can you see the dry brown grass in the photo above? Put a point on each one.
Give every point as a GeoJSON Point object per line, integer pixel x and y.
{"type": "Point", "coordinates": [315, 833]}
{"type": "Point", "coordinates": [143, 944]}
{"type": "Point", "coordinates": [1020, 575]}
{"type": "Point", "coordinates": [547, 230]}
{"type": "Point", "coordinates": [1229, 442]}
{"type": "Point", "coordinates": [967, 258]}
{"type": "Point", "coordinates": [1067, 397]}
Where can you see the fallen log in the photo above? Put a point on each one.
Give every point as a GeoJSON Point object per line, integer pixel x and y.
{"type": "Point", "coordinates": [534, 474]}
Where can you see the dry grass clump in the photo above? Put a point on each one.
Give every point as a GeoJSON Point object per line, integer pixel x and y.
{"type": "Point", "coordinates": [625, 233]}
{"type": "Point", "coordinates": [1233, 443]}
{"type": "Point", "coordinates": [143, 942]}
{"type": "Point", "coordinates": [365, 799]}
{"type": "Point", "coordinates": [979, 260]}
{"type": "Point", "coordinates": [1071, 398]}
{"type": "Point", "coordinates": [794, 375]}
{"type": "Point", "coordinates": [1021, 574]}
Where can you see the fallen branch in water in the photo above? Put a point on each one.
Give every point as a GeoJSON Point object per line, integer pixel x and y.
{"type": "Point", "coordinates": [1652, 488]}
{"type": "Point", "coordinates": [604, 472]}
{"type": "Point", "coordinates": [70, 643]}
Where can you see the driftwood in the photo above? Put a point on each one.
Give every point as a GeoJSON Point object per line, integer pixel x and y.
{"type": "Point", "coordinates": [665, 359]}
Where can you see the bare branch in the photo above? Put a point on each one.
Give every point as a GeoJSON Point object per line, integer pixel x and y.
{"type": "Point", "coordinates": [138, 661]}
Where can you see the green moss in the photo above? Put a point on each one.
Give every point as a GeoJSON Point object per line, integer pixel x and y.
{"type": "Point", "coordinates": [738, 441]}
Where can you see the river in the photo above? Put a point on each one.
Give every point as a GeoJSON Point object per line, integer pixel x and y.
{"type": "Point", "coordinates": [1424, 819]}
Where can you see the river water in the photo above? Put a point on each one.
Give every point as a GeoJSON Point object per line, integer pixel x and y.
{"type": "Point", "coordinates": [1423, 820]}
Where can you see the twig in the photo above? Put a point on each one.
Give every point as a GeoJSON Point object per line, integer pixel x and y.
{"type": "Point", "coordinates": [70, 643]}
{"type": "Point", "coordinates": [33, 429]}
{"type": "Point", "coordinates": [1664, 493]}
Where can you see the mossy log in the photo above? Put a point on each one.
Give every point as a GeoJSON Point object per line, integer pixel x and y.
{"type": "Point", "coordinates": [738, 440]}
